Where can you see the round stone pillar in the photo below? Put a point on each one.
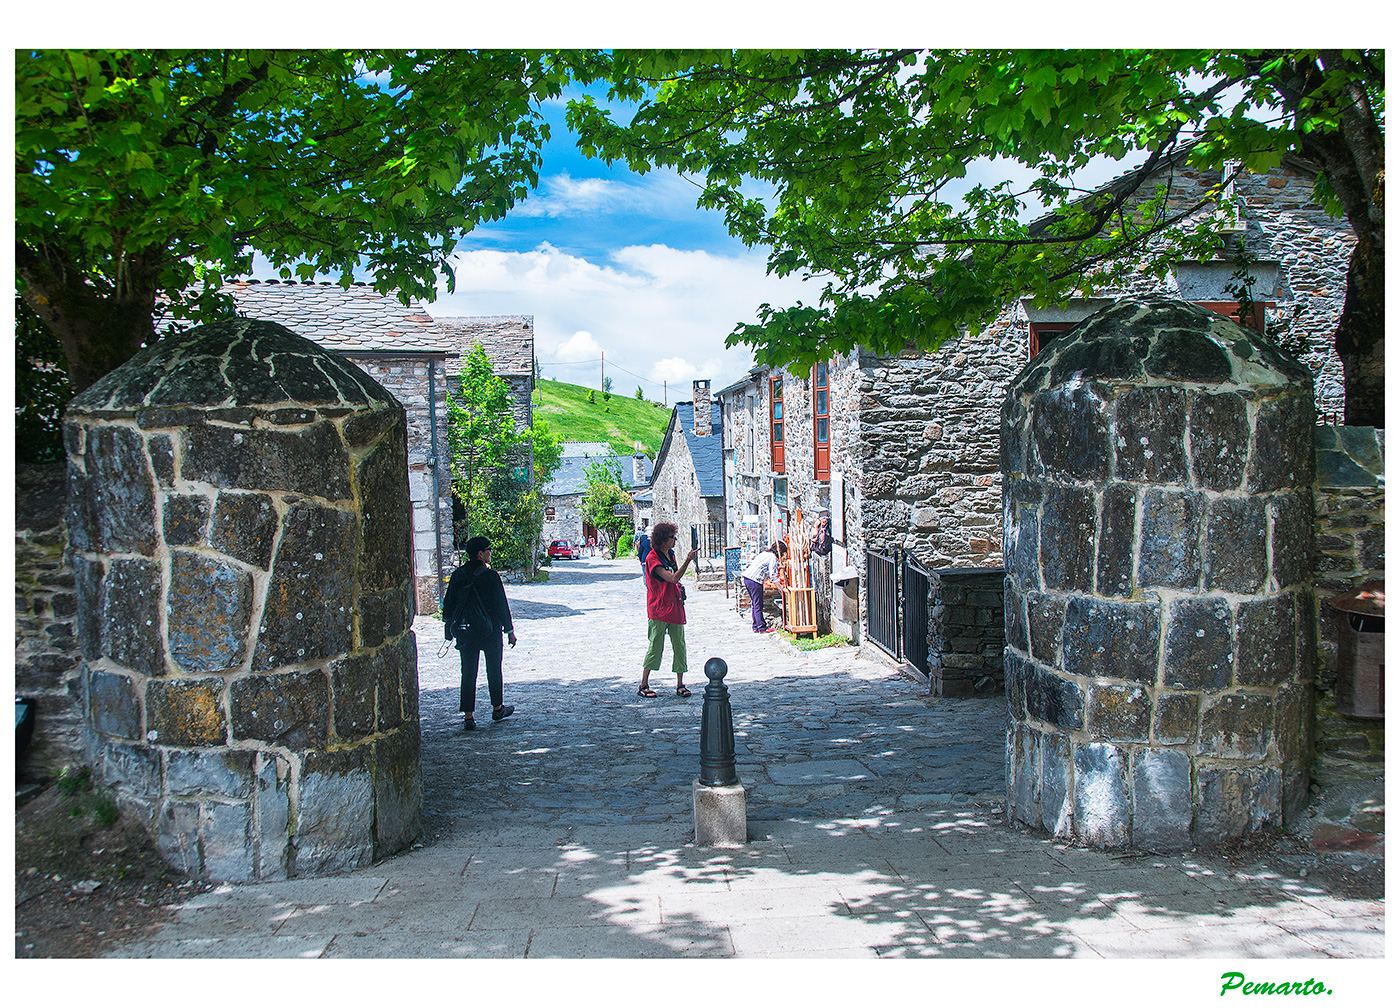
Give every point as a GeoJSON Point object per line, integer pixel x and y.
{"type": "Point", "coordinates": [239, 520]}
{"type": "Point", "coordinates": [1158, 473]}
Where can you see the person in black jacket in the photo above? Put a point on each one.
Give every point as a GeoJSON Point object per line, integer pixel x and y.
{"type": "Point", "coordinates": [475, 612]}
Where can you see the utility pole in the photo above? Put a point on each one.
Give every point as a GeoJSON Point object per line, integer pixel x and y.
{"type": "Point", "coordinates": [664, 400]}
{"type": "Point", "coordinates": [600, 371]}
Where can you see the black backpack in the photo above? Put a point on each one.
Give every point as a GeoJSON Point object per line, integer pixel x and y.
{"type": "Point", "coordinates": [470, 612]}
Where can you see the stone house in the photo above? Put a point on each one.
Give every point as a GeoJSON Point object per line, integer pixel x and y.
{"type": "Point", "coordinates": [687, 483]}
{"type": "Point", "coordinates": [416, 357]}
{"type": "Point", "coordinates": [562, 496]}
{"type": "Point", "coordinates": [910, 466]}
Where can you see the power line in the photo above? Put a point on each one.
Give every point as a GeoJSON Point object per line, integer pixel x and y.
{"type": "Point", "coordinates": [611, 367]}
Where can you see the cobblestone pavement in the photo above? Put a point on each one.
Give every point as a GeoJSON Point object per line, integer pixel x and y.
{"type": "Point", "coordinates": [874, 819]}
{"type": "Point", "coordinates": [822, 734]}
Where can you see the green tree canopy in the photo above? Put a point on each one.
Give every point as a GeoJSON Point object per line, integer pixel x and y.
{"type": "Point", "coordinates": [146, 174]}
{"type": "Point", "coordinates": [602, 497]}
{"type": "Point", "coordinates": [482, 439]}
{"type": "Point", "coordinates": [865, 149]}
{"type": "Point", "coordinates": [548, 450]}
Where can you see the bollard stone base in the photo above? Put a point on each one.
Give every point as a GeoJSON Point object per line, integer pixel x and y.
{"type": "Point", "coordinates": [721, 819]}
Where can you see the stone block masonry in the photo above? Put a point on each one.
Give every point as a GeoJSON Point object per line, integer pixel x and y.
{"type": "Point", "coordinates": [967, 632]}
{"type": "Point", "coordinates": [1349, 499]}
{"type": "Point", "coordinates": [47, 656]}
{"type": "Point", "coordinates": [1158, 474]}
{"type": "Point", "coordinates": [239, 520]}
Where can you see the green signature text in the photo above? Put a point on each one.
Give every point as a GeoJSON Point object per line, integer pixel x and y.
{"type": "Point", "coordinates": [1237, 982]}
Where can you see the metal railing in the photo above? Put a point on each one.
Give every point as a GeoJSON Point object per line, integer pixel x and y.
{"type": "Point", "coordinates": [914, 614]}
{"type": "Point", "coordinates": [882, 604]}
{"type": "Point", "coordinates": [712, 539]}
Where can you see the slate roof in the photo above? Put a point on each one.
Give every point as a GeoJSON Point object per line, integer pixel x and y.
{"type": "Point", "coordinates": [509, 340]}
{"type": "Point", "coordinates": [345, 320]}
{"type": "Point", "coordinates": [705, 452]}
{"type": "Point", "coordinates": [754, 376]}
{"type": "Point", "coordinates": [570, 478]}
{"type": "Point", "coordinates": [362, 319]}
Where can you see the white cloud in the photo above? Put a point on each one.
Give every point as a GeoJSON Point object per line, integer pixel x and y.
{"type": "Point", "coordinates": [563, 195]}
{"type": "Point", "coordinates": [577, 347]}
{"type": "Point", "coordinates": [658, 312]}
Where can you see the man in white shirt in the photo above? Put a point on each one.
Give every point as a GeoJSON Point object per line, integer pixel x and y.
{"type": "Point", "coordinates": [763, 567]}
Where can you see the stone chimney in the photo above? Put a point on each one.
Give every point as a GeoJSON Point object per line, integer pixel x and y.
{"type": "Point", "coordinates": [639, 465]}
{"type": "Point", "coordinates": [701, 399]}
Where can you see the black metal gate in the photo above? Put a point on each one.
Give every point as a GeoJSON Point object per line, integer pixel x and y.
{"type": "Point", "coordinates": [710, 539]}
{"type": "Point", "coordinates": [914, 615]}
{"type": "Point", "coordinates": [882, 603]}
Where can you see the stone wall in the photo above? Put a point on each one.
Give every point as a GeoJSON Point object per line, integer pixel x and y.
{"type": "Point", "coordinates": [747, 459]}
{"type": "Point", "coordinates": [46, 651]}
{"type": "Point", "coordinates": [419, 384]}
{"type": "Point", "coordinates": [930, 478]}
{"type": "Point", "coordinates": [676, 493]}
{"type": "Point", "coordinates": [967, 632]}
{"type": "Point", "coordinates": [1283, 225]}
{"type": "Point", "coordinates": [1159, 612]}
{"type": "Point", "coordinates": [567, 522]}
{"type": "Point", "coordinates": [1350, 529]}
{"type": "Point", "coordinates": [239, 521]}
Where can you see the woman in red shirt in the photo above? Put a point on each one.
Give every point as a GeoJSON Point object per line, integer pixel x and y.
{"type": "Point", "coordinates": [665, 608]}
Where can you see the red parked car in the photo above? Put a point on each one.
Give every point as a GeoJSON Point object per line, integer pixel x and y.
{"type": "Point", "coordinates": [562, 549]}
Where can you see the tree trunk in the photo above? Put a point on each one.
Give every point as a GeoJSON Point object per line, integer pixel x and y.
{"type": "Point", "coordinates": [1352, 156]}
{"type": "Point", "coordinates": [1360, 339]}
{"type": "Point", "coordinates": [98, 330]}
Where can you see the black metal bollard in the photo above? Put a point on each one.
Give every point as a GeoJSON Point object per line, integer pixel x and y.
{"type": "Point", "coordinates": [717, 730]}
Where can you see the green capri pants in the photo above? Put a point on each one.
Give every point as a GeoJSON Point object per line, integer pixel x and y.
{"type": "Point", "coordinates": [657, 632]}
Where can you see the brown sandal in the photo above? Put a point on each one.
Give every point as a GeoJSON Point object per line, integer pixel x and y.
{"type": "Point", "coordinates": [681, 691]}
{"type": "Point", "coordinates": [646, 691]}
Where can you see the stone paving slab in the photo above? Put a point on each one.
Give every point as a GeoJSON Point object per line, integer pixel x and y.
{"type": "Point", "coordinates": [1208, 941]}
{"type": "Point", "coordinates": [344, 889]}
{"type": "Point", "coordinates": [875, 817]}
{"type": "Point", "coordinates": [1340, 938]}
{"type": "Point", "coordinates": [406, 944]}
{"type": "Point", "coordinates": [394, 913]}
{"type": "Point", "coordinates": [227, 946]}
{"type": "Point", "coordinates": [819, 772]}
{"type": "Point", "coordinates": [630, 907]}
{"type": "Point", "coordinates": [669, 941]}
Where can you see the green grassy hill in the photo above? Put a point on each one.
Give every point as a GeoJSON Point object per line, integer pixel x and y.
{"type": "Point", "coordinates": [619, 421]}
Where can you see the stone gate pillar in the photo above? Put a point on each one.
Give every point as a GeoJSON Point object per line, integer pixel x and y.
{"type": "Point", "coordinates": [239, 525]}
{"type": "Point", "coordinates": [1159, 617]}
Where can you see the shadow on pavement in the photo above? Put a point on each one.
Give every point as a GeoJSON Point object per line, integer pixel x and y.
{"type": "Point", "coordinates": [523, 609]}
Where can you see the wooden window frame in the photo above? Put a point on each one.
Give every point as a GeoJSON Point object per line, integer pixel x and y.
{"type": "Point", "coordinates": [1046, 328]}
{"type": "Point", "coordinates": [777, 421]}
{"type": "Point", "coordinates": [1230, 309]}
{"type": "Point", "coordinates": [821, 449]}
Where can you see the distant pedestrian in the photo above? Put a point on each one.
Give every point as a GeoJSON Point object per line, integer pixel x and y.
{"type": "Point", "coordinates": [475, 611]}
{"type": "Point", "coordinates": [665, 608]}
{"type": "Point", "coordinates": [761, 568]}
{"type": "Point", "coordinates": [643, 548]}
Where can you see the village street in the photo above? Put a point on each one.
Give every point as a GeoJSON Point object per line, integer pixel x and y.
{"type": "Point", "coordinates": [874, 815]}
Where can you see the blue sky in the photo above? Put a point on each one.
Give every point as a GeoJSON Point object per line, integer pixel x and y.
{"type": "Point", "coordinates": [625, 267]}
{"type": "Point", "coordinates": [621, 265]}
